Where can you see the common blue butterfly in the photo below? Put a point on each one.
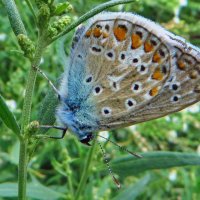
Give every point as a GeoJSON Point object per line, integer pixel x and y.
{"type": "Point", "coordinates": [125, 69]}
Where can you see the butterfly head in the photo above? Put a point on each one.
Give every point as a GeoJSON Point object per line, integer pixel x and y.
{"type": "Point", "coordinates": [87, 139]}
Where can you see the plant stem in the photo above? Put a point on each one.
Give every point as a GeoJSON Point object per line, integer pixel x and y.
{"type": "Point", "coordinates": [22, 170]}
{"type": "Point", "coordinates": [31, 9]}
{"type": "Point", "coordinates": [85, 171]}
{"type": "Point", "coordinates": [31, 83]}
{"type": "Point", "coordinates": [26, 119]}
{"type": "Point", "coordinates": [14, 17]}
{"type": "Point", "coordinates": [28, 97]}
{"type": "Point", "coordinates": [69, 178]}
{"type": "Point", "coordinates": [90, 14]}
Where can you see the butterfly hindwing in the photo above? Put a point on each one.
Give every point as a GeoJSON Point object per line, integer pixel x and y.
{"type": "Point", "coordinates": [130, 70]}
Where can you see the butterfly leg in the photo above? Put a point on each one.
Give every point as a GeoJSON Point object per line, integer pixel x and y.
{"type": "Point", "coordinates": [50, 83]}
{"type": "Point", "coordinates": [64, 130]}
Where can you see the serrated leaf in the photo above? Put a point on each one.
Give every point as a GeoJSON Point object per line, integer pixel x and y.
{"type": "Point", "coordinates": [7, 117]}
{"type": "Point", "coordinates": [129, 165]}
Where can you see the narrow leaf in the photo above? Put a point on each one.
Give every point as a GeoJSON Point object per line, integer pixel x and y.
{"type": "Point", "coordinates": [129, 165]}
{"type": "Point", "coordinates": [36, 191]}
{"type": "Point", "coordinates": [134, 189]}
{"type": "Point", "coordinates": [7, 117]}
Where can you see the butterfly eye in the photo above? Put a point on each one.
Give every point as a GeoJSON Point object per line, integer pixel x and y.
{"type": "Point", "coordinates": [106, 111]}
{"type": "Point", "coordinates": [98, 90]}
{"type": "Point", "coordinates": [130, 103]}
{"type": "Point", "coordinates": [175, 98]}
{"type": "Point", "coordinates": [136, 87]}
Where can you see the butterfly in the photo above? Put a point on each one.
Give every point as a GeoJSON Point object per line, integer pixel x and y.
{"type": "Point", "coordinates": [125, 69]}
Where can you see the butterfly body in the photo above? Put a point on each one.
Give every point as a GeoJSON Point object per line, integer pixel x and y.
{"type": "Point", "coordinates": [125, 69]}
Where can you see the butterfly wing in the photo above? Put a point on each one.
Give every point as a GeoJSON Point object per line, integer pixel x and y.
{"type": "Point", "coordinates": [132, 70]}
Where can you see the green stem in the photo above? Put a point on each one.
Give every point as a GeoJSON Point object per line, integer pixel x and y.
{"type": "Point", "coordinates": [26, 119]}
{"type": "Point", "coordinates": [22, 170]}
{"type": "Point", "coordinates": [31, 9]}
{"type": "Point", "coordinates": [90, 14]}
{"type": "Point", "coordinates": [85, 171]}
{"type": "Point", "coordinates": [26, 20]}
{"type": "Point", "coordinates": [70, 184]}
{"type": "Point", "coordinates": [31, 83]}
{"type": "Point", "coordinates": [14, 17]}
{"type": "Point", "coordinates": [28, 97]}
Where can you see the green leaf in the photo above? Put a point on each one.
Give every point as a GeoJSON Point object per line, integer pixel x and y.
{"type": "Point", "coordinates": [61, 8]}
{"type": "Point", "coordinates": [36, 191]}
{"type": "Point", "coordinates": [7, 117]}
{"type": "Point", "coordinates": [129, 165]}
{"type": "Point", "coordinates": [134, 189]}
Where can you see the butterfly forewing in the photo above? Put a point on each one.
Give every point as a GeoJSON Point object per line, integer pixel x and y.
{"type": "Point", "coordinates": [135, 70]}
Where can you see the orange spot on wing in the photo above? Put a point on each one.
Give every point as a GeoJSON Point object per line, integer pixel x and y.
{"type": "Point", "coordinates": [148, 47]}
{"type": "Point", "coordinates": [105, 35]}
{"type": "Point", "coordinates": [97, 32]}
{"type": "Point", "coordinates": [153, 91]}
{"type": "Point", "coordinates": [156, 58]}
{"type": "Point", "coordinates": [181, 65]}
{"type": "Point", "coordinates": [157, 75]}
{"type": "Point", "coordinates": [136, 41]}
{"type": "Point", "coordinates": [120, 33]}
{"type": "Point", "coordinates": [88, 33]}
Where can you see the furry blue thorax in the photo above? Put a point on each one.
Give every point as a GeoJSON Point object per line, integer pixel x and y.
{"type": "Point", "coordinates": [76, 110]}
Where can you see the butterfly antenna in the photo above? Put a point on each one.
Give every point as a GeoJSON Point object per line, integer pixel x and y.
{"type": "Point", "coordinates": [122, 148]}
{"type": "Point", "coordinates": [50, 83]}
{"type": "Point", "coordinates": [109, 169]}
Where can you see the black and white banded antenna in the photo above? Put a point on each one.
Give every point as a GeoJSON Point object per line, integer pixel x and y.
{"type": "Point", "coordinates": [108, 166]}
{"type": "Point", "coordinates": [122, 148]}
{"type": "Point", "coordinates": [49, 82]}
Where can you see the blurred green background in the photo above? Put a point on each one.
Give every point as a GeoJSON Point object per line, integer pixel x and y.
{"type": "Point", "coordinates": [55, 169]}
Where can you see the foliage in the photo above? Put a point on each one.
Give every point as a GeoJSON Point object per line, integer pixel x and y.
{"type": "Point", "coordinates": [55, 167]}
